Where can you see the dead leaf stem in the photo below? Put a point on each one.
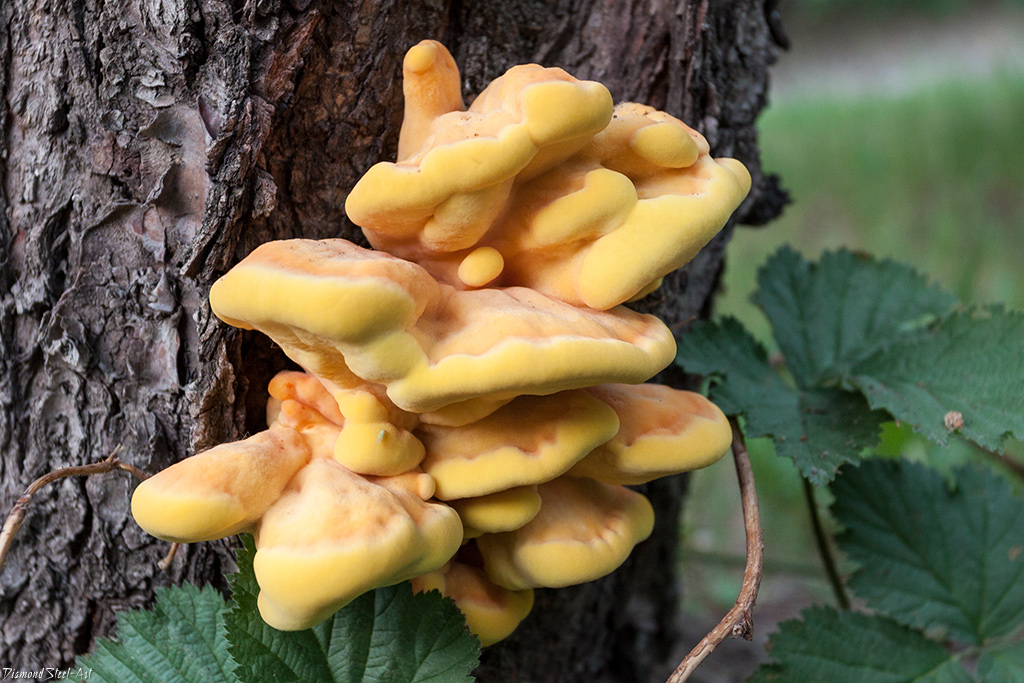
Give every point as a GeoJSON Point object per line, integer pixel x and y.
{"type": "Point", "coordinates": [17, 514]}
{"type": "Point", "coordinates": [739, 621]}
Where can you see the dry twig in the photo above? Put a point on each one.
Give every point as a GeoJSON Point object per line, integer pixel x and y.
{"type": "Point", "coordinates": [17, 515]}
{"type": "Point", "coordinates": [739, 622]}
{"type": "Point", "coordinates": [165, 563]}
{"type": "Point", "coordinates": [1006, 461]}
{"type": "Point", "coordinates": [679, 325]}
{"type": "Point", "coordinates": [828, 560]}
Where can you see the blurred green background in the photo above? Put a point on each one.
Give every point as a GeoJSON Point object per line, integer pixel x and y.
{"type": "Point", "coordinates": [897, 126]}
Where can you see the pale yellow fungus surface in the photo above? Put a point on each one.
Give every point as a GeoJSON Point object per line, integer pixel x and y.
{"type": "Point", "coordinates": [471, 364]}
{"type": "Point", "coordinates": [334, 535]}
{"type": "Point", "coordinates": [584, 202]}
{"type": "Point", "coordinates": [481, 266]}
{"type": "Point", "coordinates": [492, 612]}
{"type": "Point", "coordinates": [531, 440]}
{"type": "Point", "coordinates": [499, 511]}
{"type": "Point", "coordinates": [377, 448]}
{"type": "Point", "coordinates": [219, 492]}
{"type": "Point", "coordinates": [662, 431]}
{"type": "Point", "coordinates": [584, 530]}
{"type": "Point", "coordinates": [337, 309]}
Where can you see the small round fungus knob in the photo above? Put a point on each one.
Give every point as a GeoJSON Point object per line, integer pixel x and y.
{"type": "Point", "coordinates": [421, 57]}
{"type": "Point", "coordinates": [481, 266]}
{"type": "Point", "coordinates": [665, 144]}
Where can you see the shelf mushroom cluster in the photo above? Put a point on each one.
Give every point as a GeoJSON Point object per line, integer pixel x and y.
{"type": "Point", "coordinates": [471, 411]}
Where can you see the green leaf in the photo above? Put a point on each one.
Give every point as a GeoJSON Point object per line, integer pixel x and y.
{"type": "Point", "coordinates": [729, 353]}
{"type": "Point", "coordinates": [818, 429]}
{"type": "Point", "coordinates": [828, 316]}
{"type": "Point", "coordinates": [971, 363]}
{"type": "Point", "coordinates": [181, 640]}
{"type": "Point", "coordinates": [386, 636]}
{"type": "Point", "coordinates": [1004, 663]}
{"type": "Point", "coordinates": [827, 645]}
{"type": "Point", "coordinates": [945, 559]}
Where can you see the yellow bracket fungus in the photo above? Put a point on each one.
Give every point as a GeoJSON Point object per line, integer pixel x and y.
{"type": "Point", "coordinates": [456, 168]}
{"type": "Point", "coordinates": [531, 440]}
{"type": "Point", "coordinates": [637, 204]}
{"type": "Point", "coordinates": [493, 513]}
{"type": "Point", "coordinates": [491, 612]}
{"type": "Point", "coordinates": [338, 310]}
{"type": "Point", "coordinates": [334, 535]}
{"type": "Point", "coordinates": [664, 431]}
{"type": "Point", "coordinates": [467, 417]}
{"type": "Point", "coordinates": [221, 492]}
{"type": "Point", "coordinates": [541, 183]}
{"type": "Point", "coordinates": [584, 530]}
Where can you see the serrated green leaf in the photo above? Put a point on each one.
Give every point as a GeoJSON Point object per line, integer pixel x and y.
{"type": "Point", "coordinates": [181, 640]}
{"type": "Point", "coordinates": [827, 645]}
{"type": "Point", "coordinates": [386, 636]}
{"type": "Point", "coordinates": [726, 351]}
{"type": "Point", "coordinates": [940, 558]}
{"type": "Point", "coordinates": [827, 316]}
{"type": "Point", "coordinates": [1004, 664]}
{"type": "Point", "coordinates": [818, 429]}
{"type": "Point", "coordinates": [971, 363]}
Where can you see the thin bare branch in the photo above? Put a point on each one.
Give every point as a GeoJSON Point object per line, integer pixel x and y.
{"type": "Point", "coordinates": [739, 622]}
{"type": "Point", "coordinates": [828, 560]}
{"type": "Point", "coordinates": [165, 563]}
{"type": "Point", "coordinates": [17, 514]}
{"type": "Point", "coordinates": [1006, 461]}
{"type": "Point", "coordinates": [679, 325]}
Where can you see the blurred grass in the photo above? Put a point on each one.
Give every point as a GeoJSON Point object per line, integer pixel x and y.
{"type": "Point", "coordinates": [829, 10]}
{"type": "Point", "coordinates": [934, 178]}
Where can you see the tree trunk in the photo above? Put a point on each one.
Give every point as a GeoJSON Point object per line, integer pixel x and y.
{"type": "Point", "coordinates": [149, 145]}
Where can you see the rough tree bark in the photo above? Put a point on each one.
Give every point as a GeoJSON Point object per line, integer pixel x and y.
{"type": "Point", "coordinates": [147, 145]}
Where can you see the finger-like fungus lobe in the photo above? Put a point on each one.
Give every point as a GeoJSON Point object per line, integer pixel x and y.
{"type": "Point", "coordinates": [469, 412]}
{"type": "Point", "coordinates": [542, 183]}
